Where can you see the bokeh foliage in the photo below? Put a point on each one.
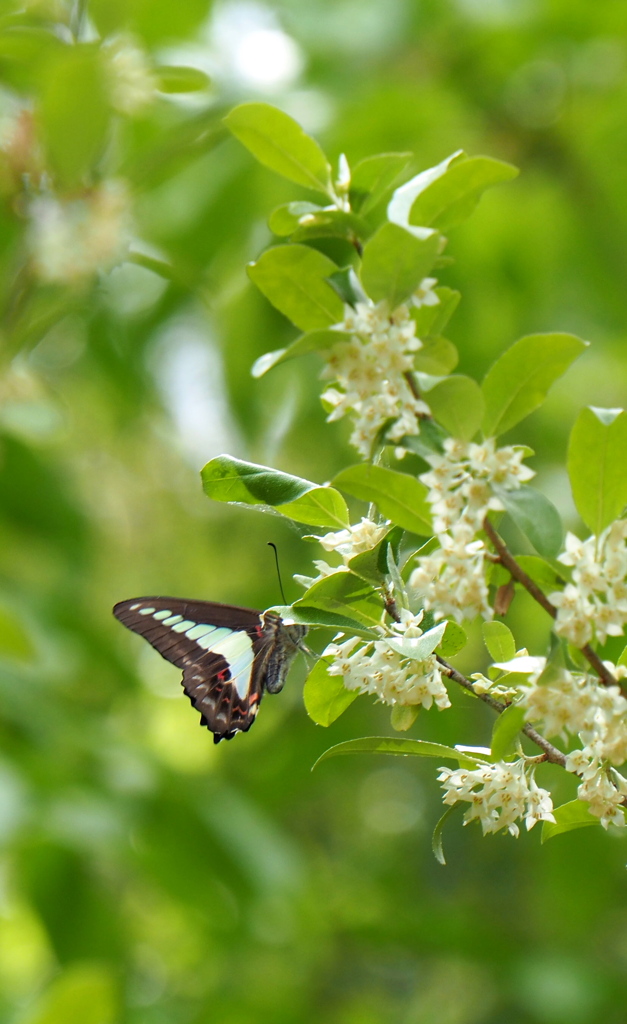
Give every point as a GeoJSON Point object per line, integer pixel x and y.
{"type": "Point", "coordinates": [146, 876]}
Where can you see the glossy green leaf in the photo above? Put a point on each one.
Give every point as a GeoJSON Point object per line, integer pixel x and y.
{"type": "Point", "coordinates": [505, 731]}
{"type": "Point", "coordinates": [597, 457]}
{"type": "Point", "coordinates": [278, 142]}
{"type": "Point", "coordinates": [227, 479]}
{"type": "Point", "coordinates": [499, 640]}
{"type": "Point", "coordinates": [453, 641]}
{"type": "Point", "coordinates": [417, 647]}
{"type": "Point", "coordinates": [438, 356]}
{"type": "Point", "coordinates": [317, 617]}
{"type": "Point", "coordinates": [332, 224]}
{"type": "Point", "coordinates": [74, 112]}
{"type": "Point", "coordinates": [446, 195]}
{"type": "Point", "coordinates": [536, 516]}
{"type": "Point", "coordinates": [345, 594]}
{"type": "Point", "coordinates": [395, 260]}
{"type": "Point", "coordinates": [172, 79]}
{"type": "Point", "coordinates": [519, 380]}
{"type": "Point", "coordinates": [457, 403]}
{"type": "Point", "coordinates": [311, 341]}
{"type": "Point", "coordinates": [325, 696]}
{"type": "Point", "coordinates": [347, 285]}
{"type": "Point", "coordinates": [436, 839]}
{"type": "Point", "coordinates": [574, 814]}
{"type": "Point", "coordinates": [373, 565]}
{"type": "Point", "coordinates": [398, 496]}
{"type": "Point", "coordinates": [372, 177]}
{"type": "Point", "coordinates": [430, 440]}
{"type": "Point", "coordinates": [321, 506]}
{"type": "Point", "coordinates": [400, 747]}
{"type": "Point", "coordinates": [293, 279]}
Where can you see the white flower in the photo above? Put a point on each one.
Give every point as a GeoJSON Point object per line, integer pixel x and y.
{"type": "Point", "coordinates": [595, 603]}
{"type": "Point", "coordinates": [451, 581]}
{"type": "Point", "coordinates": [602, 788]}
{"type": "Point", "coordinates": [131, 82]}
{"type": "Point", "coordinates": [379, 670]}
{"type": "Point", "coordinates": [71, 240]}
{"type": "Point", "coordinates": [354, 540]}
{"type": "Point", "coordinates": [499, 794]}
{"type": "Point", "coordinates": [369, 374]}
{"type": "Point", "coordinates": [424, 294]}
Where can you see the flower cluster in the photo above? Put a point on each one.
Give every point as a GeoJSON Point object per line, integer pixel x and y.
{"type": "Point", "coordinates": [498, 794]}
{"type": "Point", "coordinates": [71, 240]}
{"type": "Point", "coordinates": [131, 81]}
{"type": "Point", "coordinates": [575, 704]}
{"type": "Point", "coordinates": [371, 370]}
{"type": "Point", "coordinates": [451, 580]}
{"type": "Point", "coordinates": [595, 603]}
{"type": "Point", "coordinates": [378, 669]}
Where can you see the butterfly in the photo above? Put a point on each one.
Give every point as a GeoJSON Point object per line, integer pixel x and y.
{"type": "Point", "coordinates": [229, 656]}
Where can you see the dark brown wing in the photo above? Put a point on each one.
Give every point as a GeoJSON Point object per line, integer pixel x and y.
{"type": "Point", "coordinates": [221, 649]}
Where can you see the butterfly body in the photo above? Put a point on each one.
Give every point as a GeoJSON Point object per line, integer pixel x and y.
{"type": "Point", "coordinates": [230, 656]}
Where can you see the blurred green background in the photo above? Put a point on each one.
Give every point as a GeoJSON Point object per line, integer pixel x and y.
{"type": "Point", "coordinates": [147, 876]}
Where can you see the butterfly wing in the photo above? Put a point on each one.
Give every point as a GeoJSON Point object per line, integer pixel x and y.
{"type": "Point", "coordinates": [222, 650]}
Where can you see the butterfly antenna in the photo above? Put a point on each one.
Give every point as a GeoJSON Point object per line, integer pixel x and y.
{"type": "Point", "coordinates": [278, 571]}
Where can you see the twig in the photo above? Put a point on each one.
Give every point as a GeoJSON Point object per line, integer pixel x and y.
{"type": "Point", "coordinates": [509, 562]}
{"type": "Point", "coordinates": [550, 752]}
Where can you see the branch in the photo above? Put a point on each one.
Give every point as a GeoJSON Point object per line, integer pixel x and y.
{"type": "Point", "coordinates": [509, 562]}
{"type": "Point", "coordinates": [550, 752]}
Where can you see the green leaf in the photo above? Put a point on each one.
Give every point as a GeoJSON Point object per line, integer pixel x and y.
{"type": "Point", "coordinates": [278, 142]}
{"type": "Point", "coordinates": [436, 839]}
{"type": "Point", "coordinates": [446, 195]}
{"type": "Point", "coordinates": [321, 506]}
{"type": "Point", "coordinates": [372, 565]}
{"type": "Point", "coordinates": [14, 640]}
{"type": "Point", "coordinates": [574, 814]}
{"type": "Point", "coordinates": [431, 320]}
{"type": "Point", "coordinates": [398, 746]}
{"type": "Point", "coordinates": [311, 341]}
{"type": "Point", "coordinates": [373, 177]}
{"type": "Point", "coordinates": [519, 380]}
{"type": "Point", "coordinates": [74, 112]}
{"type": "Point", "coordinates": [285, 219]}
{"type": "Point", "coordinates": [227, 479]}
{"type": "Point", "coordinates": [453, 641]}
{"type": "Point", "coordinates": [536, 516]}
{"type": "Point", "coordinates": [347, 285]}
{"type": "Point", "coordinates": [403, 716]}
{"type": "Point", "coordinates": [499, 640]}
{"type": "Point", "coordinates": [83, 994]}
{"type": "Point", "coordinates": [345, 594]}
{"type": "Point", "coordinates": [172, 79]}
{"type": "Point", "coordinates": [438, 356]}
{"type": "Point", "coordinates": [332, 224]}
{"type": "Point", "coordinates": [398, 496]}
{"type": "Point", "coordinates": [505, 731]}
{"type": "Point", "coordinates": [318, 618]}
{"type": "Point", "coordinates": [430, 440]}
{"type": "Point", "coordinates": [325, 696]}
{"type": "Point", "coordinates": [597, 456]}
{"type": "Point", "coordinates": [395, 260]}
{"type": "Point", "coordinates": [457, 403]}
{"type": "Point", "coordinates": [417, 647]}
{"type": "Point", "coordinates": [623, 658]}
{"type": "Point", "coordinates": [293, 279]}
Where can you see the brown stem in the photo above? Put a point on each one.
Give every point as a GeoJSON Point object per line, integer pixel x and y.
{"type": "Point", "coordinates": [509, 562]}
{"type": "Point", "coordinates": [550, 752]}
